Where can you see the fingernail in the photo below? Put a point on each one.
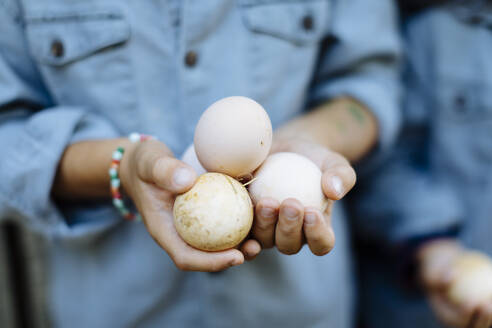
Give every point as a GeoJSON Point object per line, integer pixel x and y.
{"type": "Point", "coordinates": [310, 218]}
{"type": "Point", "coordinates": [337, 185]}
{"type": "Point", "coordinates": [182, 177]}
{"type": "Point", "coordinates": [267, 212]}
{"type": "Point", "coordinates": [291, 213]}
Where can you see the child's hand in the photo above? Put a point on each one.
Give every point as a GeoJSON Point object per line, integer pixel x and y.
{"type": "Point", "coordinates": [152, 177]}
{"type": "Point", "coordinates": [289, 225]}
{"type": "Point", "coordinates": [438, 273]}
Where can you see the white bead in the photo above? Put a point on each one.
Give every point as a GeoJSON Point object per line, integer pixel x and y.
{"type": "Point", "coordinates": [112, 172]}
{"type": "Point", "coordinates": [134, 137]}
{"type": "Point", "coordinates": [117, 155]}
{"type": "Point", "coordinates": [115, 183]}
{"type": "Point", "coordinates": [118, 203]}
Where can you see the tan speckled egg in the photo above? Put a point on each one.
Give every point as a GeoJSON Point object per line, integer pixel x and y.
{"type": "Point", "coordinates": [473, 282]}
{"type": "Point", "coordinates": [289, 175]}
{"type": "Point", "coordinates": [216, 214]}
{"type": "Point", "coordinates": [233, 136]}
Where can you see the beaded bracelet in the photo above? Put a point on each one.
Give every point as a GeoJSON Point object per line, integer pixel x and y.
{"type": "Point", "coordinates": [115, 182]}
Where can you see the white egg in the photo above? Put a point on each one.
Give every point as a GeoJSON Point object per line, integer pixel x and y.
{"type": "Point", "coordinates": [473, 282]}
{"type": "Point", "coordinates": [216, 214]}
{"type": "Point", "coordinates": [233, 136]}
{"type": "Point", "coordinates": [189, 157]}
{"type": "Point", "coordinates": [289, 175]}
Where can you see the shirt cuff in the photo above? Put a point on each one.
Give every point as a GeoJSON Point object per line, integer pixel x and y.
{"type": "Point", "coordinates": [32, 147]}
{"type": "Point", "coordinates": [378, 90]}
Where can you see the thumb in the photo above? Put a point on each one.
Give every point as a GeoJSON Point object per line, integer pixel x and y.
{"type": "Point", "coordinates": [167, 172]}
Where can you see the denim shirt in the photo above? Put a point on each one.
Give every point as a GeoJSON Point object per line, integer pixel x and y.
{"type": "Point", "coordinates": [439, 173]}
{"type": "Point", "coordinates": [78, 70]}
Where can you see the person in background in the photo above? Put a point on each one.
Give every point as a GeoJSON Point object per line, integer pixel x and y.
{"type": "Point", "coordinates": [76, 77]}
{"type": "Point", "coordinates": [430, 204]}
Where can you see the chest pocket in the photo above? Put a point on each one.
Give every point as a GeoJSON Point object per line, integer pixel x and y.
{"type": "Point", "coordinates": [283, 37]}
{"type": "Point", "coordinates": [59, 39]}
{"type": "Point", "coordinates": [465, 124]}
{"type": "Point", "coordinates": [465, 100]}
{"type": "Point", "coordinates": [463, 97]}
{"type": "Point", "coordinates": [298, 22]}
{"type": "Point", "coordinates": [84, 60]}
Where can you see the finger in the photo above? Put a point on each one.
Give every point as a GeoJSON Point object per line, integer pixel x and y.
{"type": "Point", "coordinates": [482, 317]}
{"type": "Point", "coordinates": [288, 233]}
{"type": "Point", "coordinates": [489, 314]}
{"type": "Point", "coordinates": [265, 221]}
{"type": "Point", "coordinates": [167, 172]}
{"type": "Point", "coordinates": [488, 310]}
{"type": "Point", "coordinates": [436, 275]}
{"type": "Point", "coordinates": [250, 248]}
{"type": "Point", "coordinates": [448, 313]}
{"type": "Point", "coordinates": [184, 256]}
{"type": "Point", "coordinates": [337, 181]}
{"type": "Point", "coordinates": [474, 320]}
{"type": "Point", "coordinates": [196, 260]}
{"type": "Point", "coordinates": [332, 159]}
{"type": "Point", "coordinates": [435, 260]}
{"type": "Point", "coordinates": [319, 234]}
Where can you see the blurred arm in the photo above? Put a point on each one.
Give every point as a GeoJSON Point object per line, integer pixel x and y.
{"type": "Point", "coordinates": [343, 125]}
{"type": "Point", "coordinates": [354, 98]}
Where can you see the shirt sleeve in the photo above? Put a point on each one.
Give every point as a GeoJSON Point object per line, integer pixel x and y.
{"type": "Point", "coordinates": [361, 60]}
{"type": "Point", "coordinates": [34, 132]}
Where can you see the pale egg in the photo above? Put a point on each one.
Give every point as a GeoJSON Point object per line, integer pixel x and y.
{"type": "Point", "coordinates": [233, 136]}
{"type": "Point", "coordinates": [473, 281]}
{"type": "Point", "coordinates": [289, 175]}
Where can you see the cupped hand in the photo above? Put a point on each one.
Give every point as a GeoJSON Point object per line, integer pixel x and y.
{"type": "Point", "coordinates": [152, 177]}
{"type": "Point", "coordinates": [289, 225]}
{"type": "Point", "coordinates": [436, 275]}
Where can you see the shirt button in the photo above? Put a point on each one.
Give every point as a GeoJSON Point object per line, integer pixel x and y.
{"type": "Point", "coordinates": [57, 49]}
{"type": "Point", "coordinates": [308, 23]}
{"type": "Point", "coordinates": [476, 20]}
{"type": "Point", "coordinates": [460, 103]}
{"type": "Point", "coordinates": [191, 58]}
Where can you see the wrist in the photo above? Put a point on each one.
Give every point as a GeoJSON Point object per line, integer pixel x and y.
{"type": "Point", "coordinates": [125, 176]}
{"type": "Point", "coordinates": [127, 166]}
{"type": "Point", "coordinates": [286, 143]}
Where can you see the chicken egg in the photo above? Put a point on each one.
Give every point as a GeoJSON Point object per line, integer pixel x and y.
{"type": "Point", "coordinates": [473, 279]}
{"type": "Point", "coordinates": [233, 136]}
{"type": "Point", "coordinates": [289, 175]}
{"type": "Point", "coordinates": [216, 214]}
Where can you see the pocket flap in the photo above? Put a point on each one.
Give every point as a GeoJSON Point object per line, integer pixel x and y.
{"type": "Point", "coordinates": [301, 22]}
{"type": "Point", "coordinates": [60, 38]}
